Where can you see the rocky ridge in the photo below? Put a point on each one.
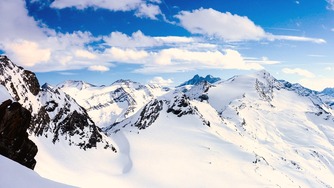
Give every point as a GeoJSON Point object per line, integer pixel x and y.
{"type": "Point", "coordinates": [54, 114]}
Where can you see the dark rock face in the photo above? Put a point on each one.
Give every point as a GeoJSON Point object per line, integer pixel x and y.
{"type": "Point", "coordinates": [149, 114]}
{"type": "Point", "coordinates": [181, 106]}
{"type": "Point", "coordinates": [14, 141]}
{"type": "Point", "coordinates": [33, 84]}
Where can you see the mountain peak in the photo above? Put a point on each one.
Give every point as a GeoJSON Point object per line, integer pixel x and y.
{"type": "Point", "coordinates": [198, 79]}
{"type": "Point", "coordinates": [328, 91]}
{"type": "Point", "coordinates": [75, 83]}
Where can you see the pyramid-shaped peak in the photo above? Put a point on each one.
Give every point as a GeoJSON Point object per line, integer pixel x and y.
{"type": "Point", "coordinates": [198, 79]}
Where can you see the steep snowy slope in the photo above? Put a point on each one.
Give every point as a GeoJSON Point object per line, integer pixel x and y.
{"type": "Point", "coordinates": [54, 114]}
{"type": "Point", "coordinates": [109, 104]}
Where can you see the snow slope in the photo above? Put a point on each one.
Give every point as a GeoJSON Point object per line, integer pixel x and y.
{"type": "Point", "coordinates": [14, 175]}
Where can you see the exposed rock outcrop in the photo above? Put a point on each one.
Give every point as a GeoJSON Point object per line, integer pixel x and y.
{"type": "Point", "coordinates": [14, 141]}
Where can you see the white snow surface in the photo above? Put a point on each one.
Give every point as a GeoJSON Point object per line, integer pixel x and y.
{"type": "Point", "coordinates": [259, 135]}
{"type": "Point", "coordinates": [14, 175]}
{"type": "Point", "coordinates": [110, 104]}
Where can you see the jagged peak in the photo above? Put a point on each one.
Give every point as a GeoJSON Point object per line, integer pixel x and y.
{"type": "Point", "coordinates": [301, 90]}
{"type": "Point", "coordinates": [47, 86]}
{"type": "Point", "coordinates": [198, 79]}
{"type": "Point", "coordinates": [124, 81]}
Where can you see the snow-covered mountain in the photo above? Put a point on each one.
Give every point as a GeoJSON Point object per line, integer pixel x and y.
{"type": "Point", "coordinates": [109, 104]}
{"type": "Point", "coordinates": [54, 114]}
{"type": "Point", "coordinates": [327, 96]}
{"type": "Point", "coordinates": [198, 79]}
{"type": "Point", "coordinates": [248, 131]}
{"type": "Point", "coordinates": [328, 91]}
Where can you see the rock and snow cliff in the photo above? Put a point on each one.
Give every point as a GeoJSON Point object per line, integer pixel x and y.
{"type": "Point", "coordinates": [54, 114]}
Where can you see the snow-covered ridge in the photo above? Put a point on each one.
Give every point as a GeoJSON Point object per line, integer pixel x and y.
{"type": "Point", "coordinates": [54, 114]}
{"type": "Point", "coordinates": [110, 104]}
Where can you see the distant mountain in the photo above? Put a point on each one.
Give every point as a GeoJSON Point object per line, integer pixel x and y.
{"type": "Point", "coordinates": [327, 96]}
{"type": "Point", "coordinates": [328, 91]}
{"type": "Point", "coordinates": [198, 79]}
{"type": "Point", "coordinates": [109, 104]}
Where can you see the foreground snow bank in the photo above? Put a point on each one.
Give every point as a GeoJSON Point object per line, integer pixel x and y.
{"type": "Point", "coordinates": [14, 175]}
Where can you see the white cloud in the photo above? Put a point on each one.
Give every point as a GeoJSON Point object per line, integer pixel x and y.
{"type": "Point", "coordinates": [124, 5]}
{"type": "Point", "coordinates": [136, 40]}
{"type": "Point", "coordinates": [328, 68]}
{"type": "Point", "coordinates": [99, 68]}
{"type": "Point", "coordinates": [30, 44]}
{"type": "Point", "coordinates": [317, 84]}
{"type": "Point", "coordinates": [85, 54]}
{"type": "Point", "coordinates": [295, 38]}
{"type": "Point", "coordinates": [126, 55]}
{"type": "Point", "coordinates": [299, 71]}
{"type": "Point", "coordinates": [223, 25]}
{"type": "Point", "coordinates": [262, 61]}
{"type": "Point", "coordinates": [330, 4]}
{"type": "Point", "coordinates": [140, 40]}
{"type": "Point", "coordinates": [316, 55]}
{"type": "Point", "coordinates": [143, 8]}
{"type": "Point", "coordinates": [28, 52]}
{"type": "Point", "coordinates": [229, 27]}
{"type": "Point", "coordinates": [178, 60]}
{"type": "Point", "coordinates": [148, 11]}
{"type": "Point", "coordinates": [161, 81]}
{"type": "Point", "coordinates": [17, 24]}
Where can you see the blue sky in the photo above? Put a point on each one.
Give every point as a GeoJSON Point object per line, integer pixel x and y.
{"type": "Point", "coordinates": [169, 41]}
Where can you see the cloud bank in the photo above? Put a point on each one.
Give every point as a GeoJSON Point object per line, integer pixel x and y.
{"type": "Point", "coordinates": [47, 50]}
{"type": "Point", "coordinates": [229, 27]}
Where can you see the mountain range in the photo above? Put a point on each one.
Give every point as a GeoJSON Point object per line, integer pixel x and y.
{"type": "Point", "coordinates": [248, 131]}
